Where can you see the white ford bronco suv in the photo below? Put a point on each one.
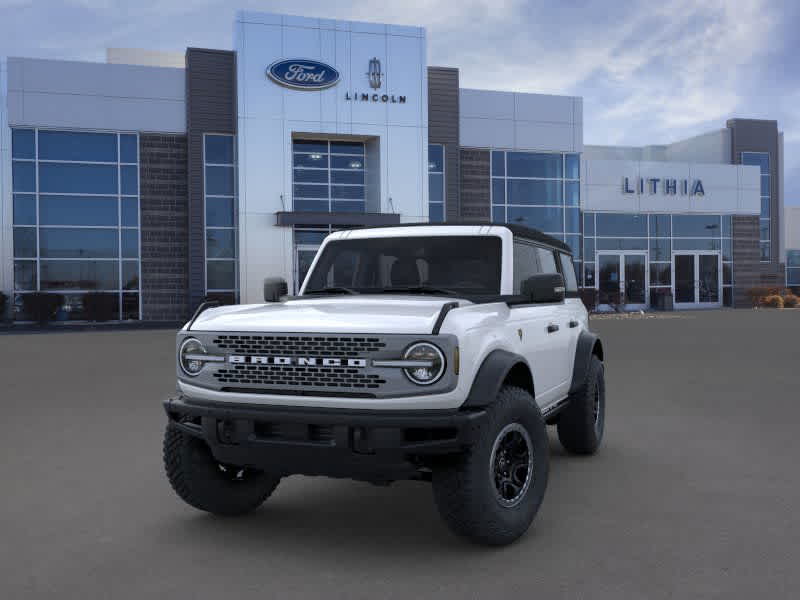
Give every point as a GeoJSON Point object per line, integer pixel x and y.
{"type": "Point", "coordinates": [429, 352]}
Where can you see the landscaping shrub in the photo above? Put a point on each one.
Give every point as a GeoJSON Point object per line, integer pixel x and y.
{"type": "Point", "coordinates": [773, 301]}
{"type": "Point", "coordinates": [41, 306]}
{"type": "Point", "coordinates": [790, 301]}
{"type": "Point", "coordinates": [99, 306]}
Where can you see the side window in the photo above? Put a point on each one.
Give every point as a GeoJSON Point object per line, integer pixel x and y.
{"type": "Point", "coordinates": [569, 272]}
{"type": "Point", "coordinates": [525, 263]}
{"type": "Point", "coordinates": [547, 260]}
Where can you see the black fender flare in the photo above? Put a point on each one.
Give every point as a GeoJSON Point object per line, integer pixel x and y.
{"type": "Point", "coordinates": [588, 345]}
{"type": "Point", "coordinates": [490, 377]}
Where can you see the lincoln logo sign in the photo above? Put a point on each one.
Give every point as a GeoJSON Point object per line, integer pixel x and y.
{"type": "Point", "coordinates": [297, 361]}
{"type": "Point", "coordinates": [302, 74]}
{"type": "Point", "coordinates": [667, 186]}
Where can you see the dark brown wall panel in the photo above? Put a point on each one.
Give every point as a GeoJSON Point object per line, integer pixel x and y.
{"type": "Point", "coordinates": [443, 129]}
{"type": "Point", "coordinates": [475, 198]}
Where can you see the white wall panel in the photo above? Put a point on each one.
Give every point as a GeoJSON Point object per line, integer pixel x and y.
{"type": "Point", "coordinates": [539, 135]}
{"type": "Point", "coordinates": [486, 104]}
{"type": "Point", "coordinates": [486, 133]}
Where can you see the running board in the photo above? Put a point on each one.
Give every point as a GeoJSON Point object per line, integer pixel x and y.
{"type": "Point", "coordinates": [556, 408]}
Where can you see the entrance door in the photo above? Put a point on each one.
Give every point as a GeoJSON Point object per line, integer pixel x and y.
{"type": "Point", "coordinates": [697, 279]}
{"type": "Point", "coordinates": [622, 280]}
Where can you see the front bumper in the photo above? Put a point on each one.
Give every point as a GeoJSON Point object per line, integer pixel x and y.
{"type": "Point", "coordinates": [360, 444]}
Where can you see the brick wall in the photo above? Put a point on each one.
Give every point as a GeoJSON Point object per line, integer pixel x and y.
{"type": "Point", "coordinates": [165, 227]}
{"type": "Point", "coordinates": [748, 270]}
{"type": "Point", "coordinates": [475, 198]}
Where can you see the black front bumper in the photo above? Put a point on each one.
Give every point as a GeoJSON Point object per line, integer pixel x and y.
{"type": "Point", "coordinates": [371, 445]}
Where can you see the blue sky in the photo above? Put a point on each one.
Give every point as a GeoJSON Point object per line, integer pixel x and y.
{"type": "Point", "coordinates": [649, 72]}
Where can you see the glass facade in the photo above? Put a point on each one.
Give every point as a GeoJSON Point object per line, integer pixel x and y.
{"type": "Point", "coordinates": [658, 236]}
{"type": "Point", "coordinates": [793, 268]}
{"type": "Point", "coordinates": [761, 160]}
{"type": "Point", "coordinates": [328, 176]}
{"type": "Point", "coordinates": [76, 219]}
{"type": "Point", "coordinates": [436, 183]}
{"type": "Point", "coordinates": [539, 190]}
{"type": "Point", "coordinates": [219, 164]}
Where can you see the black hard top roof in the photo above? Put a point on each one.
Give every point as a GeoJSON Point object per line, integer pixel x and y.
{"type": "Point", "coordinates": [519, 231]}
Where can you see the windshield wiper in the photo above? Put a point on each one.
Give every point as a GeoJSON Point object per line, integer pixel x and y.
{"type": "Point", "coordinates": [419, 289]}
{"type": "Point", "coordinates": [331, 290]}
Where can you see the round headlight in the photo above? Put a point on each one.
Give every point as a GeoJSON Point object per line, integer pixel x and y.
{"type": "Point", "coordinates": [431, 363]}
{"type": "Point", "coordinates": [190, 356]}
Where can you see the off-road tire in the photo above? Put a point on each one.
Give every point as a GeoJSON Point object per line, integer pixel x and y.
{"type": "Point", "coordinates": [465, 489]}
{"type": "Point", "coordinates": [580, 428]}
{"type": "Point", "coordinates": [203, 483]}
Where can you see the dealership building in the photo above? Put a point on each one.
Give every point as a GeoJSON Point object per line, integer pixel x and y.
{"type": "Point", "coordinates": [163, 179]}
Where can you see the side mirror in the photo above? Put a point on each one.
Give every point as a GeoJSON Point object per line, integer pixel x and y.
{"type": "Point", "coordinates": [544, 287]}
{"type": "Point", "coordinates": [274, 289]}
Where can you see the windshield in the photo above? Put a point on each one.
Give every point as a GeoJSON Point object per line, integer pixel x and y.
{"type": "Point", "coordinates": [449, 265]}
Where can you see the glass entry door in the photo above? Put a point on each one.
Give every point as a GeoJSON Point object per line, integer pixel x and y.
{"type": "Point", "coordinates": [697, 279]}
{"type": "Point", "coordinates": [622, 280]}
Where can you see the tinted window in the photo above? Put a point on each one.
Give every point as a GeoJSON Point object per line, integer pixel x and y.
{"type": "Point", "coordinates": [23, 176]}
{"type": "Point", "coordinates": [435, 158]}
{"type": "Point", "coordinates": [130, 212]}
{"type": "Point", "coordinates": [24, 209]}
{"type": "Point", "coordinates": [531, 191]}
{"type": "Point", "coordinates": [572, 190]}
{"type": "Point", "coordinates": [623, 225]}
{"type": "Point", "coordinates": [78, 243]}
{"type": "Point", "coordinates": [219, 149]}
{"type": "Point", "coordinates": [220, 243]}
{"type": "Point", "coordinates": [347, 148]}
{"type": "Point", "coordinates": [219, 181]}
{"type": "Point", "coordinates": [128, 151]}
{"type": "Point", "coordinates": [660, 226]}
{"type": "Point", "coordinates": [465, 264]}
{"type": "Point", "coordinates": [24, 275]}
{"type": "Point", "coordinates": [129, 184]}
{"type": "Point", "coordinates": [77, 210]}
{"type": "Point", "coordinates": [25, 242]}
{"type": "Point", "coordinates": [77, 179]}
{"type": "Point", "coordinates": [573, 166]}
{"type": "Point", "coordinates": [73, 145]}
{"type": "Point", "coordinates": [219, 212]}
{"type": "Point", "coordinates": [530, 164]}
{"type": "Point", "coordinates": [221, 274]}
{"type": "Point", "coordinates": [569, 272]}
{"type": "Point", "coordinates": [130, 243]}
{"type": "Point", "coordinates": [80, 275]}
{"type": "Point", "coordinates": [547, 219]}
{"type": "Point", "coordinates": [526, 264]}
{"type": "Point", "coordinates": [498, 163]}
{"type": "Point", "coordinates": [696, 225]}
{"type": "Point", "coordinates": [23, 144]}
{"type": "Point", "coordinates": [498, 191]}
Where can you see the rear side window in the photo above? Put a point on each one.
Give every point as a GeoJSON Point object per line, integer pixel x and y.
{"type": "Point", "coordinates": [568, 270]}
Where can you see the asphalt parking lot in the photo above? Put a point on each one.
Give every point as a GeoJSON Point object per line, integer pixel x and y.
{"type": "Point", "coordinates": [695, 493]}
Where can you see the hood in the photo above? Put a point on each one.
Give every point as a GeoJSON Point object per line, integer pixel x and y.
{"type": "Point", "coordinates": [332, 314]}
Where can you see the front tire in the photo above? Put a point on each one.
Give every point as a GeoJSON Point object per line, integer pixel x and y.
{"type": "Point", "coordinates": [491, 493]}
{"type": "Point", "coordinates": [581, 425]}
{"type": "Point", "coordinates": [202, 482]}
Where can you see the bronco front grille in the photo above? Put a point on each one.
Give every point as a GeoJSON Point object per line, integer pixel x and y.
{"type": "Point", "coordinates": [291, 345]}
{"type": "Point", "coordinates": [288, 375]}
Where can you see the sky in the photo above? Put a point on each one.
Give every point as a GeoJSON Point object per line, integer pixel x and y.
{"type": "Point", "coordinates": [649, 72]}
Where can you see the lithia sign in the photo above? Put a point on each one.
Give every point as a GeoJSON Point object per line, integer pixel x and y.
{"type": "Point", "coordinates": [667, 186]}
{"type": "Point", "coordinates": [306, 74]}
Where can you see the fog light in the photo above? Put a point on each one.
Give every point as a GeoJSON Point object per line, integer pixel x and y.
{"type": "Point", "coordinates": [430, 365]}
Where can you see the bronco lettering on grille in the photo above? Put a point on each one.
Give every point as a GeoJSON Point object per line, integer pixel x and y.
{"type": "Point", "coordinates": [300, 361]}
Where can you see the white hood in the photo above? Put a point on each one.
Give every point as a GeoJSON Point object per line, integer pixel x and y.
{"type": "Point", "coordinates": [332, 314]}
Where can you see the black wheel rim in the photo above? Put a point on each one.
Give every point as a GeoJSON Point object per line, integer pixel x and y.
{"type": "Point", "coordinates": [597, 408]}
{"type": "Point", "coordinates": [511, 464]}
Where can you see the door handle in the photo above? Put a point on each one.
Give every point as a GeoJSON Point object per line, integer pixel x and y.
{"type": "Point", "coordinates": [573, 323]}
{"type": "Point", "coordinates": [552, 328]}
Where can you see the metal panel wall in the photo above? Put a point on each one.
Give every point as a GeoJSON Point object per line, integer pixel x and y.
{"type": "Point", "coordinates": [443, 128]}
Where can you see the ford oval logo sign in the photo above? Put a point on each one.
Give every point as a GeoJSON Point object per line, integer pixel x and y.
{"type": "Point", "coordinates": [303, 74]}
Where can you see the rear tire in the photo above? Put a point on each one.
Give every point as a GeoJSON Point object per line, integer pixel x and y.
{"type": "Point", "coordinates": [202, 482]}
{"type": "Point", "coordinates": [491, 493]}
{"type": "Point", "coordinates": [582, 422]}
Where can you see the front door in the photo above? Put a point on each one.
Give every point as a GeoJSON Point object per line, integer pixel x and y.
{"type": "Point", "coordinates": [697, 279]}
{"type": "Point", "coordinates": [622, 280]}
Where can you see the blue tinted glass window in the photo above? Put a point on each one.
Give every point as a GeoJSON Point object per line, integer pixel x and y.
{"type": "Point", "coordinates": [24, 209]}
{"type": "Point", "coordinates": [588, 224]}
{"type": "Point", "coordinates": [765, 250]}
{"type": "Point", "coordinates": [759, 159]}
{"type": "Point", "coordinates": [546, 219]}
{"type": "Point", "coordinates": [498, 163]}
{"type": "Point", "coordinates": [219, 212]}
{"type": "Point", "coordinates": [80, 275]}
{"type": "Point", "coordinates": [530, 164]}
{"type": "Point", "coordinates": [78, 243]}
{"type": "Point", "coordinates": [319, 161]}
{"type": "Point", "coordinates": [128, 149]}
{"type": "Point", "coordinates": [695, 244]}
{"type": "Point", "coordinates": [339, 162]}
{"type": "Point", "coordinates": [130, 212]}
{"type": "Point", "coordinates": [696, 225]}
{"type": "Point", "coordinates": [572, 222]}
{"type": "Point", "coordinates": [24, 275]}
{"type": "Point", "coordinates": [765, 207]}
{"type": "Point", "coordinates": [660, 226]}
{"type": "Point", "coordinates": [310, 146]}
{"type": "Point", "coordinates": [527, 191]}
{"type": "Point", "coordinates": [727, 249]}
{"type": "Point", "coordinates": [498, 214]}
{"type": "Point", "coordinates": [793, 258]}
{"type": "Point", "coordinates": [435, 158]}
{"type": "Point", "coordinates": [313, 175]}
{"type": "Point", "coordinates": [130, 275]}
{"type": "Point", "coordinates": [621, 244]}
{"type": "Point", "coordinates": [765, 185]}
{"type": "Point", "coordinates": [219, 149]}
{"type": "Point", "coordinates": [572, 189]}
{"type": "Point", "coordinates": [624, 225]}
{"type": "Point", "coordinates": [573, 166]}
{"type": "Point", "coordinates": [498, 191]}
{"type": "Point", "coordinates": [347, 192]}
{"type": "Point", "coordinates": [311, 205]}
{"type": "Point", "coordinates": [23, 176]}
{"type": "Point", "coordinates": [80, 146]}
{"type": "Point", "coordinates": [436, 212]}
{"type": "Point", "coordinates": [311, 191]}
{"type": "Point", "coordinates": [129, 184]}
{"type": "Point", "coordinates": [77, 179]}
{"type": "Point", "coordinates": [347, 206]}
{"type": "Point", "coordinates": [220, 274]}
{"type": "Point", "coordinates": [25, 242]}
{"type": "Point", "coordinates": [660, 274]}
{"type": "Point", "coordinates": [313, 238]}
{"type": "Point", "coordinates": [77, 210]}
{"type": "Point", "coordinates": [347, 148]}
{"type": "Point", "coordinates": [588, 249]}
{"type": "Point", "coordinates": [357, 177]}
{"type": "Point", "coordinates": [219, 181]}
{"type": "Point", "coordinates": [574, 242]}
{"type": "Point", "coordinates": [436, 187]}
{"type": "Point", "coordinates": [23, 143]}
{"type": "Point", "coordinates": [764, 229]}
{"type": "Point", "coordinates": [793, 277]}
{"type": "Point", "coordinates": [130, 243]}
{"type": "Point", "coordinates": [660, 249]}
{"type": "Point", "coordinates": [220, 243]}
{"type": "Point", "coordinates": [726, 225]}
